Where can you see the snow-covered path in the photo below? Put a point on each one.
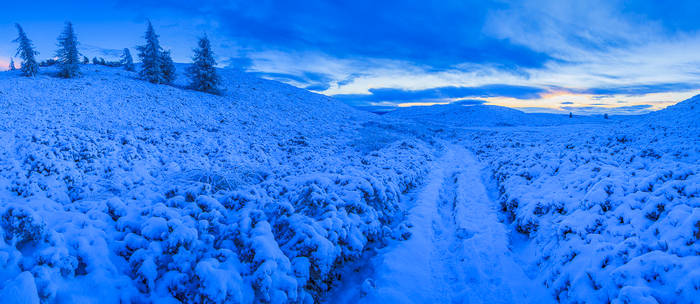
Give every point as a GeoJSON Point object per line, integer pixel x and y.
{"type": "Point", "coordinates": [458, 251]}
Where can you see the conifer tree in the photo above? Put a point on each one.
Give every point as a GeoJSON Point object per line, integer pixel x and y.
{"type": "Point", "coordinates": [12, 64]}
{"type": "Point", "coordinates": [95, 60]}
{"type": "Point", "coordinates": [167, 68]}
{"type": "Point", "coordinates": [151, 57]}
{"type": "Point", "coordinates": [86, 60]}
{"type": "Point", "coordinates": [202, 72]}
{"type": "Point", "coordinates": [68, 55]}
{"type": "Point", "coordinates": [127, 61]}
{"type": "Point", "coordinates": [26, 51]}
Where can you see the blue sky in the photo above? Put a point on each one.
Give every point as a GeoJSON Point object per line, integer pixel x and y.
{"type": "Point", "coordinates": [552, 56]}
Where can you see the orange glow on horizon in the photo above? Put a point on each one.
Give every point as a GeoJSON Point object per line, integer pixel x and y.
{"type": "Point", "coordinates": [5, 64]}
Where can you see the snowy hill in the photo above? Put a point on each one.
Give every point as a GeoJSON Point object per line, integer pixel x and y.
{"type": "Point", "coordinates": [686, 112]}
{"type": "Point", "coordinates": [483, 116]}
{"type": "Point", "coordinates": [116, 190]}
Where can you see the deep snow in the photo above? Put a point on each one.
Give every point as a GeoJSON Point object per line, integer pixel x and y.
{"type": "Point", "coordinates": [116, 190]}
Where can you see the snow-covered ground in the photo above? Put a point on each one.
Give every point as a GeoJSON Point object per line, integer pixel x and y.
{"type": "Point", "coordinates": [601, 210]}
{"type": "Point", "coordinates": [458, 250]}
{"type": "Point", "coordinates": [114, 190]}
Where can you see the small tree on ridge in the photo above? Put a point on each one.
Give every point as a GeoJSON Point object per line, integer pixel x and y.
{"type": "Point", "coordinates": [26, 51]}
{"type": "Point", "coordinates": [68, 55]}
{"type": "Point", "coordinates": [127, 61]}
{"type": "Point", "coordinates": [167, 68]}
{"type": "Point", "coordinates": [202, 72]}
{"type": "Point", "coordinates": [151, 58]}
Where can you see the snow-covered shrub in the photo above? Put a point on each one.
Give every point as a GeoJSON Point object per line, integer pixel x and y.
{"type": "Point", "coordinates": [148, 193]}
{"type": "Point", "coordinates": [611, 213]}
{"type": "Point", "coordinates": [22, 224]}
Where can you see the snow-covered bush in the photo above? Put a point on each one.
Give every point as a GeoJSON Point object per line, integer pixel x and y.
{"type": "Point", "coordinates": [26, 51]}
{"type": "Point", "coordinates": [610, 209]}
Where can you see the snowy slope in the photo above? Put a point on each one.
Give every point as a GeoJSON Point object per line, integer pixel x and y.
{"type": "Point", "coordinates": [685, 113]}
{"type": "Point", "coordinates": [116, 190]}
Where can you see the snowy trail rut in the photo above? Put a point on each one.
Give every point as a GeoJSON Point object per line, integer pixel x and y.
{"type": "Point", "coordinates": [458, 251]}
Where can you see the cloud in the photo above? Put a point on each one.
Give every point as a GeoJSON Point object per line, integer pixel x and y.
{"type": "Point", "coordinates": [318, 87]}
{"type": "Point", "coordinates": [622, 110]}
{"type": "Point", "coordinates": [432, 33]}
{"type": "Point", "coordinates": [442, 94]}
{"type": "Point", "coordinates": [309, 80]}
{"type": "Point", "coordinates": [642, 89]}
{"type": "Point", "coordinates": [541, 110]}
{"type": "Point", "coordinates": [238, 63]}
{"type": "Point", "coordinates": [469, 102]}
{"type": "Point", "coordinates": [96, 51]}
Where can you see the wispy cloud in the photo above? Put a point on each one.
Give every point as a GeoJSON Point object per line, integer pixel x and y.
{"type": "Point", "coordinates": [441, 95]}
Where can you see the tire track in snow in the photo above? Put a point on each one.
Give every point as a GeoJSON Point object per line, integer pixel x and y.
{"type": "Point", "coordinates": [458, 251]}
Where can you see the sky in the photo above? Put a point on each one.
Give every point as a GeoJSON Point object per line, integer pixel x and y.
{"type": "Point", "coordinates": [586, 57]}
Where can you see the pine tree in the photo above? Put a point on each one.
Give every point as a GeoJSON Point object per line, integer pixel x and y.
{"type": "Point", "coordinates": [202, 72]}
{"type": "Point", "coordinates": [68, 55]}
{"type": "Point", "coordinates": [26, 51]}
{"type": "Point", "coordinates": [167, 68]}
{"type": "Point", "coordinates": [95, 60]}
{"type": "Point", "coordinates": [151, 57]}
{"type": "Point", "coordinates": [12, 64]}
{"type": "Point", "coordinates": [86, 60]}
{"type": "Point", "coordinates": [127, 61]}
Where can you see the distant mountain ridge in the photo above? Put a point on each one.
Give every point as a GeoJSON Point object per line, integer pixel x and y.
{"type": "Point", "coordinates": [485, 116]}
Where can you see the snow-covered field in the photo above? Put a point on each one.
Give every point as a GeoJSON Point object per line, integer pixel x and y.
{"type": "Point", "coordinates": [114, 190]}
{"type": "Point", "coordinates": [600, 210]}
